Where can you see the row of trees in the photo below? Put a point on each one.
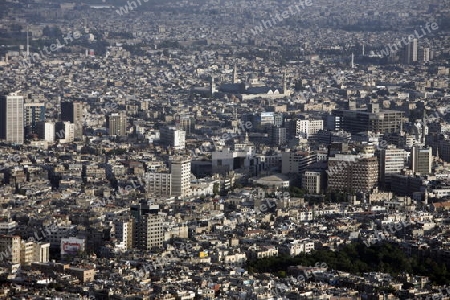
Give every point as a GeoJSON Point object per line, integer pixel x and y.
{"type": "Point", "coordinates": [357, 258]}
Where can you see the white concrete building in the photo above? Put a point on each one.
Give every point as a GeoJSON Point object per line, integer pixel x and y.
{"type": "Point", "coordinates": [306, 128]}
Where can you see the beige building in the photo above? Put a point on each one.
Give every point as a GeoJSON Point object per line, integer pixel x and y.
{"type": "Point", "coordinates": [180, 170]}
{"type": "Point", "coordinates": [311, 182]}
{"type": "Point", "coordinates": [296, 162]}
{"type": "Point", "coordinates": [392, 161]}
{"type": "Point", "coordinates": [306, 128]}
{"type": "Point", "coordinates": [158, 183]}
{"type": "Point", "coordinates": [10, 248]}
{"type": "Point", "coordinates": [26, 252]}
{"type": "Point", "coordinates": [421, 160]}
{"type": "Point", "coordinates": [351, 173]}
{"type": "Point", "coordinates": [41, 252]}
{"type": "Point", "coordinates": [117, 124]}
{"type": "Point", "coordinates": [148, 226]}
{"type": "Point", "coordinates": [123, 229]}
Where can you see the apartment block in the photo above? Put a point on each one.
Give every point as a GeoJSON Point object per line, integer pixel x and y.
{"type": "Point", "coordinates": [180, 170]}
{"type": "Point", "coordinates": [351, 173]}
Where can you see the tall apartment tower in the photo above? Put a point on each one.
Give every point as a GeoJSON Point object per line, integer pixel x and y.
{"type": "Point", "coordinates": [73, 112]}
{"type": "Point", "coordinates": [11, 118]}
{"type": "Point", "coordinates": [392, 161]}
{"type": "Point", "coordinates": [180, 170]}
{"type": "Point", "coordinates": [117, 124]}
{"type": "Point", "coordinates": [34, 113]}
{"type": "Point", "coordinates": [421, 160]}
{"type": "Point", "coordinates": [148, 228]}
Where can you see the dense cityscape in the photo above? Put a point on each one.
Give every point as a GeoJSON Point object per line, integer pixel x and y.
{"type": "Point", "coordinates": [224, 149]}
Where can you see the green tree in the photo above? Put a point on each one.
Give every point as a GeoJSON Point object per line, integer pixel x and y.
{"type": "Point", "coordinates": [216, 188]}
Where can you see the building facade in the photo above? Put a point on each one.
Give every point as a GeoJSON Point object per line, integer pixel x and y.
{"type": "Point", "coordinates": [12, 119]}
{"type": "Point", "coordinates": [352, 173]}
{"type": "Point", "coordinates": [392, 161]}
{"type": "Point", "coordinates": [73, 112]}
{"type": "Point", "coordinates": [34, 113]}
{"type": "Point", "coordinates": [374, 120]}
{"type": "Point", "coordinates": [180, 170]}
{"type": "Point", "coordinates": [117, 124]}
{"type": "Point", "coordinates": [421, 160]}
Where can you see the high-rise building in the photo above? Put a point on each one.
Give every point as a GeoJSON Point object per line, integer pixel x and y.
{"type": "Point", "coordinates": [158, 184]}
{"type": "Point", "coordinates": [34, 113]}
{"type": "Point", "coordinates": [185, 122]}
{"type": "Point", "coordinates": [278, 136]}
{"type": "Point", "coordinates": [424, 54]}
{"type": "Point", "coordinates": [123, 229]}
{"type": "Point", "coordinates": [11, 119]}
{"type": "Point", "coordinates": [46, 131]}
{"type": "Point", "coordinates": [352, 173]}
{"type": "Point", "coordinates": [170, 136]}
{"type": "Point", "coordinates": [414, 50]}
{"type": "Point", "coordinates": [180, 170]}
{"type": "Point", "coordinates": [311, 182]}
{"type": "Point", "coordinates": [375, 120]}
{"type": "Point", "coordinates": [65, 132]}
{"type": "Point", "coordinates": [117, 124]}
{"type": "Point", "coordinates": [148, 228]}
{"type": "Point", "coordinates": [392, 161]}
{"type": "Point", "coordinates": [421, 160]}
{"type": "Point", "coordinates": [73, 112]}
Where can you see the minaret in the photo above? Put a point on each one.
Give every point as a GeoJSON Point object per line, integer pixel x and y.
{"type": "Point", "coordinates": [364, 50]}
{"type": "Point", "coordinates": [284, 83]}
{"type": "Point", "coordinates": [353, 61]}
{"type": "Point", "coordinates": [423, 127]}
{"type": "Point", "coordinates": [213, 86]}
{"type": "Point", "coordinates": [28, 47]}
{"type": "Point", "coordinates": [235, 74]}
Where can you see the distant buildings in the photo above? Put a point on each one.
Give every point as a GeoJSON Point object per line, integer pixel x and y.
{"type": "Point", "coordinates": [12, 118]}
